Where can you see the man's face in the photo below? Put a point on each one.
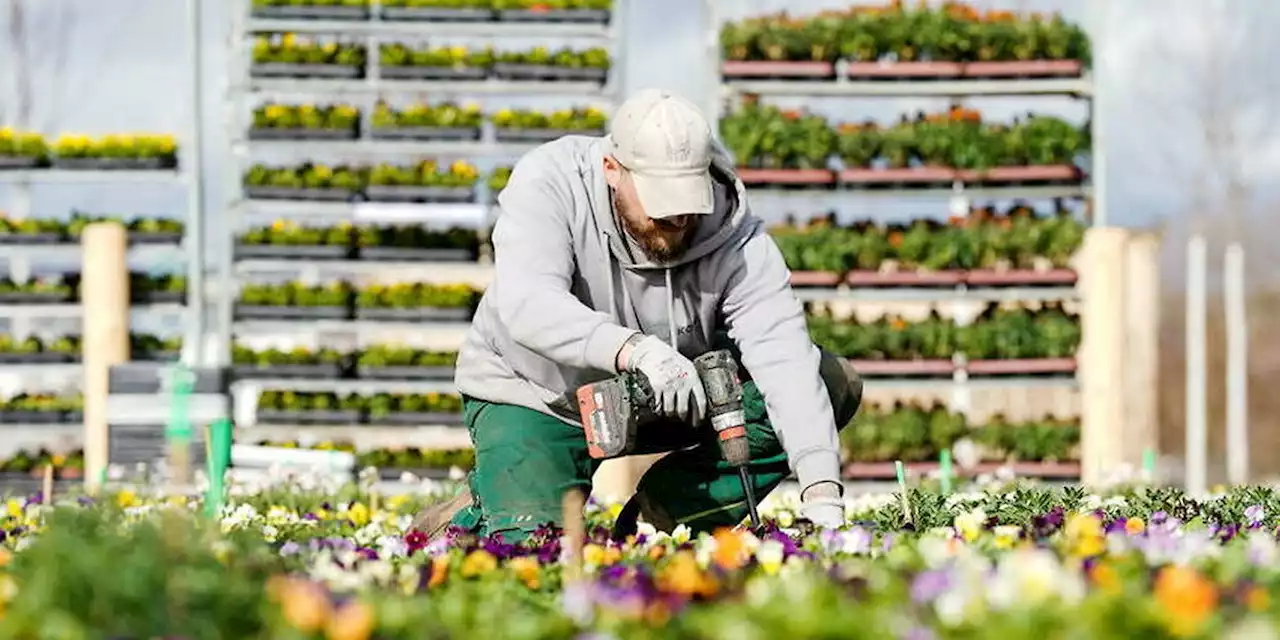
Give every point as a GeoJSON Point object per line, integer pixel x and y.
{"type": "Point", "coordinates": [662, 240]}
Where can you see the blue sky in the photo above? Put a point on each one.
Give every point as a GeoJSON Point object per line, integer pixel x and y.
{"type": "Point", "coordinates": [1159, 62]}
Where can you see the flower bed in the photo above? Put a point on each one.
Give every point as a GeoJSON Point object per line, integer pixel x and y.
{"type": "Point", "coordinates": [42, 408]}
{"type": "Point", "coordinates": [771, 144]}
{"type": "Point", "coordinates": [899, 42]}
{"type": "Point", "coordinates": [528, 125]}
{"type": "Point", "coordinates": [1003, 560]}
{"type": "Point", "coordinates": [417, 302]}
{"type": "Point", "coordinates": [444, 121]}
{"type": "Point", "coordinates": [275, 121]}
{"type": "Point", "coordinates": [385, 409]}
{"type": "Point", "coordinates": [285, 55]}
{"type": "Point", "coordinates": [984, 248]}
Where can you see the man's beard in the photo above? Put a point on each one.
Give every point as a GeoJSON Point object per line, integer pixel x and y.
{"type": "Point", "coordinates": [658, 245]}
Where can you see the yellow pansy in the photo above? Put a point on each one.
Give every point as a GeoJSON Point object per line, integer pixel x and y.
{"type": "Point", "coordinates": [478, 562]}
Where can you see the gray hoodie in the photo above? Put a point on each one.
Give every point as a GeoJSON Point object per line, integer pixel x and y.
{"type": "Point", "coordinates": [569, 288]}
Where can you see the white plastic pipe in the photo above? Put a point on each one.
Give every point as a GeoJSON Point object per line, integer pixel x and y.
{"type": "Point", "coordinates": [257, 456]}
{"type": "Point", "coordinates": [1197, 458]}
{"type": "Point", "coordinates": [1237, 365]}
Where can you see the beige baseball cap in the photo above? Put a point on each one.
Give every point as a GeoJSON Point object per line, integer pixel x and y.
{"type": "Point", "coordinates": [664, 142]}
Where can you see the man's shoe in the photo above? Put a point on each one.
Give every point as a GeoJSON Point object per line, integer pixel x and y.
{"type": "Point", "coordinates": [434, 519]}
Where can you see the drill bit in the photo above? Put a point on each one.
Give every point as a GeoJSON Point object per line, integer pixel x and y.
{"type": "Point", "coordinates": [751, 496]}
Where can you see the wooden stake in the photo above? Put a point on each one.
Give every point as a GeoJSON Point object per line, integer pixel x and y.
{"type": "Point", "coordinates": [47, 488]}
{"type": "Point", "coordinates": [575, 533]}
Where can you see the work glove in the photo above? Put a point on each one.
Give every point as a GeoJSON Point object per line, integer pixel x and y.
{"type": "Point", "coordinates": [677, 389]}
{"type": "Point", "coordinates": [821, 503]}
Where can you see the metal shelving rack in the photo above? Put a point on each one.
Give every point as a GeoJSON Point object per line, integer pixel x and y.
{"type": "Point", "coordinates": [372, 32]}
{"type": "Point", "coordinates": [961, 303]}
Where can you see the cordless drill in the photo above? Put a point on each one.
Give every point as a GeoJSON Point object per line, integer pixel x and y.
{"type": "Point", "coordinates": [613, 410]}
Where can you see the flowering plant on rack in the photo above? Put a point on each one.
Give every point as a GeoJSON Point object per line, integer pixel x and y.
{"type": "Point", "coordinates": [20, 149]}
{"type": "Point", "coordinates": [442, 115]}
{"type": "Point", "coordinates": [427, 173]}
{"type": "Point", "coordinates": [498, 179]}
{"type": "Point", "coordinates": [306, 116]}
{"type": "Point", "coordinates": [305, 176]}
{"type": "Point", "coordinates": [896, 32]}
{"type": "Point", "coordinates": [290, 233]}
{"type": "Point", "coordinates": [34, 349]}
{"type": "Point", "coordinates": [765, 136]}
{"type": "Point", "coordinates": [243, 355]}
{"type": "Point", "coordinates": [417, 237]}
{"type": "Point", "coordinates": [417, 294]}
{"type": "Point", "coordinates": [276, 406]}
{"type": "Point", "coordinates": [592, 58]}
{"type": "Point", "coordinates": [287, 48]}
{"type": "Point", "coordinates": [296, 294]}
{"type": "Point", "coordinates": [564, 120]}
{"type": "Point", "coordinates": [397, 54]}
{"type": "Point", "coordinates": [140, 229]}
{"type": "Point", "coordinates": [385, 355]}
{"type": "Point", "coordinates": [551, 5]}
{"type": "Point", "coordinates": [42, 290]}
{"type": "Point", "coordinates": [116, 150]}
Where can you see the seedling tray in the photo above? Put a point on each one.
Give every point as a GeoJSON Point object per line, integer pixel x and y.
{"type": "Point", "coordinates": [416, 418]}
{"type": "Point", "coordinates": [522, 71]}
{"type": "Point", "coordinates": [256, 192]}
{"type": "Point", "coordinates": [299, 133]}
{"type": "Point", "coordinates": [597, 16]}
{"type": "Point", "coordinates": [42, 238]}
{"type": "Point", "coordinates": [24, 297]}
{"type": "Point", "coordinates": [282, 312]}
{"type": "Point", "coordinates": [301, 70]}
{"type": "Point", "coordinates": [43, 357]}
{"type": "Point", "coordinates": [409, 254]}
{"type": "Point", "coordinates": [294, 12]}
{"type": "Point", "coordinates": [437, 14]}
{"type": "Point", "coordinates": [309, 416]}
{"type": "Point", "coordinates": [155, 237]}
{"type": "Point", "coordinates": [322, 371]}
{"type": "Point", "coordinates": [33, 417]}
{"type": "Point", "coordinates": [404, 372]}
{"type": "Point", "coordinates": [157, 356]}
{"type": "Point", "coordinates": [541, 135]}
{"type": "Point", "coordinates": [425, 133]}
{"type": "Point", "coordinates": [425, 72]}
{"type": "Point", "coordinates": [291, 252]}
{"type": "Point", "coordinates": [420, 314]}
{"type": "Point", "coordinates": [18, 162]}
{"type": "Point", "coordinates": [115, 164]}
{"type": "Point", "coordinates": [158, 297]}
{"type": "Point", "coordinates": [397, 193]}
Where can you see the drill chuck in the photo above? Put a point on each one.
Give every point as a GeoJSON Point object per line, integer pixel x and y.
{"type": "Point", "coordinates": [719, 373]}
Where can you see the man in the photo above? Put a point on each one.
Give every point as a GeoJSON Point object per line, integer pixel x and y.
{"type": "Point", "coordinates": [638, 252]}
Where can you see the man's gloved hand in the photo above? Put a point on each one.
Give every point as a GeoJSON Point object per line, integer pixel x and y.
{"type": "Point", "coordinates": [822, 504]}
{"type": "Point", "coordinates": [675, 381]}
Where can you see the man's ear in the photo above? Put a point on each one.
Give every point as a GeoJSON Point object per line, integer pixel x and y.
{"type": "Point", "coordinates": [612, 172]}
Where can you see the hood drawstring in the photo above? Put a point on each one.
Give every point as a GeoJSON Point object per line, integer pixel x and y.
{"type": "Point", "coordinates": [671, 310]}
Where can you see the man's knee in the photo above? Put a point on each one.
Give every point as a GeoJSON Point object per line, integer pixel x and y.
{"type": "Point", "coordinates": [844, 386]}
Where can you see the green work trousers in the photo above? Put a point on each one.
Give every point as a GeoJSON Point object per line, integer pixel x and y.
{"type": "Point", "coordinates": [527, 460]}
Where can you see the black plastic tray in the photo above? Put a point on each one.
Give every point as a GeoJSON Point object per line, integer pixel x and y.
{"type": "Point", "coordinates": [419, 314]}
{"type": "Point", "coordinates": [33, 417]}
{"type": "Point", "coordinates": [41, 357]}
{"type": "Point", "coordinates": [507, 134]}
{"type": "Point", "coordinates": [259, 192]}
{"type": "Point", "coordinates": [437, 14]}
{"type": "Point", "coordinates": [395, 193]}
{"type": "Point", "coordinates": [299, 133]}
{"type": "Point", "coordinates": [332, 417]}
{"type": "Point", "coordinates": [155, 237]}
{"type": "Point", "coordinates": [291, 252]}
{"type": "Point", "coordinates": [423, 72]}
{"type": "Point", "coordinates": [598, 16]}
{"type": "Point", "coordinates": [407, 254]}
{"type": "Point", "coordinates": [324, 371]}
{"type": "Point", "coordinates": [42, 238]}
{"type": "Point", "coordinates": [18, 162]}
{"type": "Point", "coordinates": [522, 71]}
{"type": "Point", "coordinates": [301, 70]}
{"type": "Point", "coordinates": [22, 297]}
{"type": "Point", "coordinates": [402, 372]}
{"type": "Point", "coordinates": [145, 378]}
{"type": "Point", "coordinates": [158, 297]}
{"type": "Point", "coordinates": [425, 133]}
{"type": "Point", "coordinates": [115, 164]}
{"type": "Point", "coordinates": [416, 418]}
{"type": "Point", "coordinates": [294, 12]}
{"type": "Point", "coordinates": [269, 312]}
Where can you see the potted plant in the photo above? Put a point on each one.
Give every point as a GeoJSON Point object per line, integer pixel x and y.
{"type": "Point", "coordinates": [312, 182]}
{"type": "Point", "coordinates": [35, 350]}
{"type": "Point", "coordinates": [438, 10]}
{"type": "Point", "coordinates": [36, 408]}
{"type": "Point", "coordinates": [424, 182]}
{"type": "Point", "coordinates": [153, 348]}
{"type": "Point", "coordinates": [275, 121]}
{"type": "Point", "coordinates": [284, 55]}
{"type": "Point", "coordinates": [311, 9]}
{"type": "Point", "coordinates": [149, 230]}
{"type": "Point", "coordinates": [417, 243]}
{"type": "Point", "coordinates": [157, 289]}
{"type": "Point", "coordinates": [403, 62]}
{"type": "Point", "coordinates": [31, 231]}
{"type": "Point", "coordinates": [287, 240]}
{"type": "Point", "coordinates": [393, 362]}
{"type": "Point", "coordinates": [528, 125]}
{"type": "Point", "coordinates": [416, 302]}
{"type": "Point", "coordinates": [414, 409]}
{"type": "Point", "coordinates": [444, 121]}
{"type": "Point", "coordinates": [308, 408]}
{"type": "Point", "coordinates": [116, 152]}
{"type": "Point", "coordinates": [299, 362]}
{"type": "Point", "coordinates": [581, 11]}
{"type": "Point", "coordinates": [295, 301]}
{"type": "Point", "coordinates": [44, 290]}
{"type": "Point", "coordinates": [22, 150]}
{"type": "Point", "coordinates": [772, 146]}
{"type": "Point", "coordinates": [541, 63]}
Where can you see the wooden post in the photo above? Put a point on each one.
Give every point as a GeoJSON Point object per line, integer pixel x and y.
{"type": "Point", "coordinates": [104, 298]}
{"type": "Point", "coordinates": [1102, 351]}
{"type": "Point", "coordinates": [1142, 346]}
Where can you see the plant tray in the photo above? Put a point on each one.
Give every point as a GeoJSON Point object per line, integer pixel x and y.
{"type": "Point", "coordinates": [591, 16]}
{"type": "Point", "coordinates": [903, 176]}
{"type": "Point", "coordinates": [797, 70]}
{"type": "Point", "coordinates": [73, 417]}
{"type": "Point", "coordinates": [270, 312]}
{"type": "Point", "coordinates": [1024, 69]}
{"type": "Point", "coordinates": [420, 314]}
{"type": "Point", "coordinates": [290, 193]}
{"type": "Point", "coordinates": [42, 238]}
{"type": "Point", "coordinates": [397, 193]}
{"type": "Point", "coordinates": [416, 418]}
{"type": "Point", "coordinates": [291, 252]}
{"type": "Point", "coordinates": [814, 279]}
{"type": "Point", "coordinates": [412, 254]}
{"type": "Point", "coordinates": [33, 417]}
{"type": "Point", "coordinates": [18, 162]}
{"type": "Point", "coordinates": [308, 416]}
{"type": "Point", "coordinates": [1028, 366]}
{"type": "Point", "coordinates": [1020, 277]}
{"type": "Point", "coordinates": [1039, 173]}
{"type": "Point", "coordinates": [115, 164]}
{"type": "Point", "coordinates": [321, 371]}
{"type": "Point", "coordinates": [301, 70]}
{"type": "Point", "coordinates": [423, 72]}
{"type": "Point", "coordinates": [158, 297]}
{"type": "Point", "coordinates": [522, 71]}
{"type": "Point", "coordinates": [157, 356]}
{"type": "Point", "coordinates": [42, 357]}
{"type": "Point", "coordinates": [904, 278]}
{"type": "Point", "coordinates": [425, 133]}
{"type": "Point", "coordinates": [404, 372]}
{"type": "Point", "coordinates": [24, 297]}
{"type": "Point", "coordinates": [155, 237]}
{"type": "Point", "coordinates": [506, 134]}
{"type": "Point", "coordinates": [299, 133]}
{"type": "Point", "coordinates": [787, 177]}
{"type": "Point", "coordinates": [296, 12]}
{"type": "Point", "coordinates": [904, 70]}
{"type": "Point", "coordinates": [437, 14]}
{"type": "Point", "coordinates": [895, 368]}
